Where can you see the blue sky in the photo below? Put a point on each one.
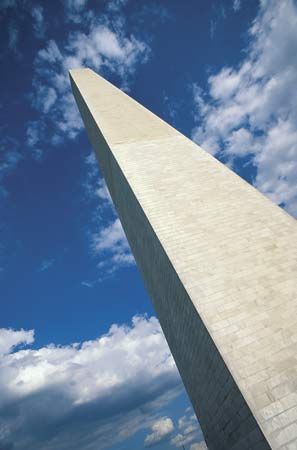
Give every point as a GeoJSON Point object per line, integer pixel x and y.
{"type": "Point", "coordinates": [84, 364]}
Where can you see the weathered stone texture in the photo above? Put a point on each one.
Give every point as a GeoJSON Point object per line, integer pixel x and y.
{"type": "Point", "coordinates": [219, 261]}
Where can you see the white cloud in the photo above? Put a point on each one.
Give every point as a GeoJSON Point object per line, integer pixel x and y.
{"type": "Point", "coordinates": [76, 5]}
{"type": "Point", "coordinates": [94, 186]}
{"type": "Point", "coordinates": [107, 43]}
{"type": "Point", "coordinates": [240, 143]}
{"type": "Point", "coordinates": [10, 157]}
{"type": "Point", "coordinates": [45, 98]}
{"type": "Point", "coordinates": [99, 47]}
{"type": "Point", "coordinates": [38, 20]}
{"type": "Point", "coordinates": [219, 15]}
{"type": "Point", "coordinates": [187, 423]}
{"type": "Point", "coordinates": [189, 430]}
{"type": "Point", "coordinates": [119, 379]}
{"type": "Point", "coordinates": [9, 339]}
{"type": "Point", "coordinates": [32, 133]}
{"type": "Point", "coordinates": [9, 160]}
{"type": "Point", "coordinates": [110, 237]}
{"type": "Point", "coordinates": [87, 284]}
{"type": "Point", "coordinates": [223, 85]}
{"type": "Point", "coordinates": [108, 243]}
{"type": "Point", "coordinates": [46, 264]}
{"type": "Point", "coordinates": [102, 191]}
{"type": "Point", "coordinates": [236, 5]}
{"type": "Point", "coordinates": [102, 47]}
{"type": "Point", "coordinates": [180, 440]}
{"type": "Point", "coordinates": [161, 430]}
{"type": "Point", "coordinates": [277, 165]}
{"type": "Point", "coordinates": [116, 5]}
{"type": "Point", "coordinates": [20, 13]}
{"type": "Point", "coordinates": [199, 446]}
{"type": "Point", "coordinates": [34, 137]}
{"type": "Point", "coordinates": [74, 10]}
{"type": "Point", "coordinates": [251, 109]}
{"type": "Point", "coordinates": [50, 54]}
{"type": "Point", "coordinates": [112, 240]}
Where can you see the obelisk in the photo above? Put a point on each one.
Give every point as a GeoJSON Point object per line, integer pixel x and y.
{"type": "Point", "coordinates": [219, 261]}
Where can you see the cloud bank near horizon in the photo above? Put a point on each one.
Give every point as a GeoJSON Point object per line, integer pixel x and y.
{"type": "Point", "coordinates": [119, 380]}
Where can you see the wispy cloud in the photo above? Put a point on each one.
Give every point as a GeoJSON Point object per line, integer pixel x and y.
{"type": "Point", "coordinates": [95, 186]}
{"type": "Point", "coordinates": [251, 109]}
{"type": "Point", "coordinates": [13, 37]}
{"type": "Point", "coordinates": [189, 431]}
{"type": "Point", "coordinates": [110, 248]}
{"type": "Point", "coordinates": [20, 12]}
{"type": "Point", "coordinates": [75, 10]}
{"type": "Point", "coordinates": [236, 5]}
{"type": "Point", "coordinates": [199, 446]}
{"type": "Point", "coordinates": [219, 15]}
{"type": "Point", "coordinates": [39, 25]}
{"type": "Point", "coordinates": [87, 284]}
{"type": "Point", "coordinates": [116, 5]}
{"type": "Point", "coordinates": [107, 240]}
{"type": "Point", "coordinates": [46, 264]}
{"type": "Point", "coordinates": [133, 362]}
{"type": "Point", "coordinates": [10, 158]}
{"type": "Point", "coordinates": [212, 28]}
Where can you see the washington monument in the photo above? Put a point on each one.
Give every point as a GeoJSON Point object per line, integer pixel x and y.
{"type": "Point", "coordinates": [219, 261]}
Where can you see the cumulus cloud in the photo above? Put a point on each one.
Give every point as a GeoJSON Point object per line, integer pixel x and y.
{"type": "Point", "coordinates": [102, 47]}
{"type": "Point", "coordinates": [161, 430]}
{"type": "Point", "coordinates": [98, 45]}
{"type": "Point", "coordinates": [114, 382]}
{"type": "Point", "coordinates": [9, 339]}
{"type": "Point", "coordinates": [240, 143]}
{"type": "Point", "coordinates": [250, 110]}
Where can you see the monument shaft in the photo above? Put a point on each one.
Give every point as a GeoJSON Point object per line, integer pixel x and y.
{"type": "Point", "coordinates": [219, 261]}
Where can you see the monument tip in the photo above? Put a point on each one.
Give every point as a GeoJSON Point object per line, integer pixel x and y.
{"type": "Point", "coordinates": [72, 72]}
